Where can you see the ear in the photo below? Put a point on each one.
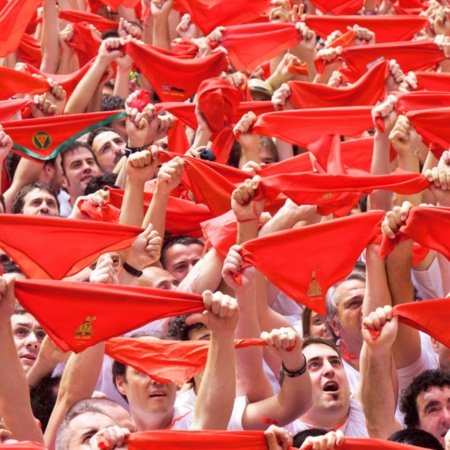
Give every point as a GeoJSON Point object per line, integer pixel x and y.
{"type": "Point", "coordinates": [334, 326]}
{"type": "Point", "coordinates": [435, 345]}
{"type": "Point", "coordinates": [65, 182]}
{"type": "Point", "coordinates": [120, 384]}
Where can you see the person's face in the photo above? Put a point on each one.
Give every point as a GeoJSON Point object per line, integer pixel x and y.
{"type": "Point", "coordinates": [349, 310]}
{"type": "Point", "coordinates": [199, 334]}
{"type": "Point", "coordinates": [109, 148]}
{"type": "Point", "coordinates": [443, 354]}
{"type": "Point", "coordinates": [158, 278]}
{"type": "Point", "coordinates": [265, 155]}
{"type": "Point", "coordinates": [28, 336]}
{"type": "Point", "coordinates": [80, 167]}
{"type": "Point", "coordinates": [330, 389]}
{"type": "Point", "coordinates": [120, 127]}
{"type": "Point", "coordinates": [317, 326]}
{"type": "Point", "coordinates": [86, 425]}
{"type": "Point", "coordinates": [39, 202]}
{"type": "Point", "coordinates": [180, 259]}
{"type": "Point", "coordinates": [146, 396]}
{"type": "Point", "coordinates": [433, 407]}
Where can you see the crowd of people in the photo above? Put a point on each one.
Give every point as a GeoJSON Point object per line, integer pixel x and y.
{"type": "Point", "coordinates": [224, 224]}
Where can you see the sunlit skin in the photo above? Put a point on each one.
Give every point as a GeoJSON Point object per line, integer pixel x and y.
{"type": "Point", "coordinates": [180, 259]}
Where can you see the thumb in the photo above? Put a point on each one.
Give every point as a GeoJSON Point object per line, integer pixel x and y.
{"type": "Point", "coordinates": [197, 318]}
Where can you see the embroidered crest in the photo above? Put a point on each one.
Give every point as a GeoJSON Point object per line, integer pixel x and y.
{"type": "Point", "coordinates": [314, 288]}
{"type": "Point", "coordinates": [85, 330]}
{"type": "Point", "coordinates": [42, 140]}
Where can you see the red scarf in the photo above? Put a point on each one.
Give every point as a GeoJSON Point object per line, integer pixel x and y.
{"type": "Point", "coordinates": [74, 243]}
{"type": "Point", "coordinates": [78, 315]}
{"type": "Point", "coordinates": [338, 7]}
{"type": "Point", "coordinates": [10, 107]}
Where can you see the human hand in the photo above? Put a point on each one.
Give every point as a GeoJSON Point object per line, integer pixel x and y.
{"type": "Point", "coordinates": [395, 219]}
{"type": "Point", "coordinates": [386, 112]}
{"type": "Point", "coordinates": [104, 271]}
{"type": "Point", "coordinates": [440, 178]}
{"type": "Point", "coordinates": [278, 438]}
{"type": "Point", "coordinates": [380, 320]}
{"type": "Point", "coordinates": [169, 175]}
{"type": "Point", "coordinates": [244, 206]}
{"type": "Point", "coordinates": [110, 438]}
{"type": "Point", "coordinates": [6, 144]}
{"type": "Point", "coordinates": [404, 137]}
{"type": "Point", "coordinates": [232, 266]}
{"type": "Point", "coordinates": [146, 249]}
{"type": "Point", "coordinates": [142, 166]}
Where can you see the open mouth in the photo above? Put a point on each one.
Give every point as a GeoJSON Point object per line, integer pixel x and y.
{"type": "Point", "coordinates": [158, 393]}
{"type": "Point", "coordinates": [331, 386]}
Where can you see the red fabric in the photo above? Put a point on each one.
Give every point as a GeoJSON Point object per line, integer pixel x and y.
{"type": "Point", "coordinates": [413, 101]}
{"type": "Point", "coordinates": [85, 42]}
{"type": "Point", "coordinates": [67, 81]}
{"type": "Point", "coordinates": [221, 232]}
{"type": "Point", "coordinates": [183, 217]}
{"type": "Point", "coordinates": [165, 361]}
{"type": "Point", "coordinates": [141, 100]}
{"type": "Point", "coordinates": [74, 243]}
{"type": "Point", "coordinates": [202, 440]}
{"type": "Point", "coordinates": [357, 153]}
{"type": "Point", "coordinates": [318, 189]}
{"type": "Point", "coordinates": [105, 213]}
{"type": "Point", "coordinates": [62, 307]}
{"type": "Point", "coordinates": [163, 71]}
{"type": "Point", "coordinates": [186, 111]}
{"type": "Point", "coordinates": [371, 444]}
{"type": "Point", "coordinates": [386, 28]}
{"type": "Point", "coordinates": [418, 315]}
{"type": "Point", "coordinates": [251, 44]}
{"type": "Point", "coordinates": [218, 101]}
{"type": "Point", "coordinates": [99, 22]}
{"type": "Point", "coordinates": [433, 81]}
{"type": "Point", "coordinates": [338, 7]}
{"type": "Point", "coordinates": [344, 41]}
{"type": "Point", "coordinates": [209, 14]}
{"type": "Point", "coordinates": [368, 90]}
{"type": "Point", "coordinates": [29, 51]}
{"type": "Point", "coordinates": [411, 56]}
{"type": "Point", "coordinates": [10, 107]}
{"type": "Point", "coordinates": [14, 18]}
{"type": "Point", "coordinates": [13, 82]}
{"type": "Point", "coordinates": [302, 127]}
{"type": "Point", "coordinates": [332, 249]}
{"type": "Point", "coordinates": [432, 124]}
{"type": "Point", "coordinates": [177, 140]}
{"type": "Point", "coordinates": [428, 226]}
{"type": "Point", "coordinates": [114, 4]}
{"type": "Point", "coordinates": [43, 138]}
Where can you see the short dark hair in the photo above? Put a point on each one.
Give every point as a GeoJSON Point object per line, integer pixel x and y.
{"type": "Point", "coordinates": [100, 181]}
{"type": "Point", "coordinates": [421, 383]}
{"type": "Point", "coordinates": [419, 438]}
{"type": "Point", "coordinates": [73, 147]}
{"type": "Point", "coordinates": [94, 133]}
{"type": "Point", "coordinates": [310, 340]}
{"type": "Point", "coordinates": [19, 198]}
{"type": "Point", "coordinates": [183, 240]}
{"type": "Point", "coordinates": [84, 406]}
{"type": "Point", "coordinates": [43, 399]}
{"type": "Point", "coordinates": [179, 330]}
{"type": "Point", "coordinates": [112, 102]}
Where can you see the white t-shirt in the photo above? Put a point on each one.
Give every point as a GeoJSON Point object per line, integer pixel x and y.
{"type": "Point", "coordinates": [185, 402]}
{"type": "Point", "coordinates": [354, 426]}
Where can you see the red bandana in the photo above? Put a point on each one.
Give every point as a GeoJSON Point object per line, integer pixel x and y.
{"type": "Point", "coordinates": [332, 248]}
{"type": "Point", "coordinates": [74, 243]}
{"type": "Point", "coordinates": [78, 315]}
{"type": "Point", "coordinates": [218, 100]}
{"type": "Point", "coordinates": [208, 15]}
{"type": "Point", "coordinates": [29, 51]}
{"type": "Point", "coordinates": [386, 28]}
{"type": "Point", "coordinates": [371, 444]}
{"type": "Point", "coordinates": [10, 107]}
{"type": "Point", "coordinates": [425, 225]}
{"type": "Point", "coordinates": [338, 7]}
{"type": "Point", "coordinates": [368, 90]}
{"type": "Point", "coordinates": [23, 445]}
{"type": "Point", "coordinates": [183, 217]}
{"type": "Point", "coordinates": [99, 22]}
{"type": "Point", "coordinates": [252, 44]}
{"type": "Point", "coordinates": [165, 361]}
{"type": "Point", "coordinates": [432, 125]}
{"type": "Point", "coordinates": [302, 127]}
{"type": "Point", "coordinates": [85, 42]}
{"type": "Point", "coordinates": [14, 19]}
{"type": "Point", "coordinates": [45, 137]}
{"type": "Point", "coordinates": [411, 56]}
{"type": "Point", "coordinates": [163, 70]}
{"type": "Point", "coordinates": [13, 82]}
{"type": "Point", "coordinates": [433, 81]}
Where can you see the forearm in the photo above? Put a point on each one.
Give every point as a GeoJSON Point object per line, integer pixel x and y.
{"type": "Point", "coordinates": [252, 380]}
{"type": "Point", "coordinates": [78, 381]}
{"type": "Point", "coordinates": [121, 85]}
{"type": "Point", "coordinates": [157, 211]}
{"type": "Point", "coordinates": [15, 407]}
{"type": "Point", "coordinates": [161, 36]}
{"type": "Point", "coordinates": [380, 166]}
{"type": "Point", "coordinates": [410, 163]}
{"type": "Point", "coordinates": [132, 212]}
{"type": "Point", "coordinates": [40, 369]}
{"type": "Point", "coordinates": [218, 385]}
{"type": "Point", "coordinates": [49, 41]}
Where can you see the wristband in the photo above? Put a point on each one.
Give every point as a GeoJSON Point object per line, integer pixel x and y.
{"type": "Point", "coordinates": [133, 271]}
{"type": "Point", "coordinates": [296, 374]}
{"type": "Point", "coordinates": [130, 150]}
